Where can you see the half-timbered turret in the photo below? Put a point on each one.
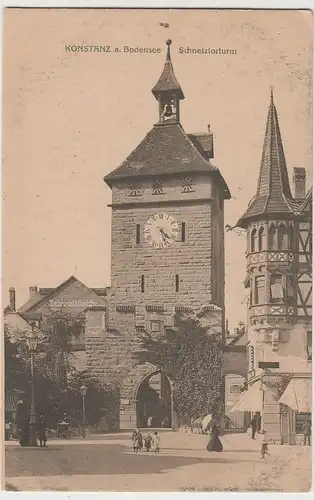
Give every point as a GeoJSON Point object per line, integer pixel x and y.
{"type": "Point", "coordinates": [279, 278]}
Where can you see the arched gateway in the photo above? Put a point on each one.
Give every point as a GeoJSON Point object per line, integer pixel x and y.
{"type": "Point", "coordinates": [145, 392]}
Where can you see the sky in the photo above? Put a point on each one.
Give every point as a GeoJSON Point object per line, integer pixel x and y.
{"type": "Point", "coordinates": [69, 118]}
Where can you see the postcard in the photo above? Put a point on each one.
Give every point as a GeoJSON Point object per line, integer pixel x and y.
{"type": "Point", "coordinates": [157, 249]}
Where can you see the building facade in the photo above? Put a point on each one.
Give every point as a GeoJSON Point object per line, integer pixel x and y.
{"type": "Point", "coordinates": [279, 279]}
{"type": "Point", "coordinates": [167, 254]}
{"type": "Point", "coordinates": [48, 305]}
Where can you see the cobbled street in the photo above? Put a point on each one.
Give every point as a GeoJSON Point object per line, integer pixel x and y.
{"type": "Point", "coordinates": [107, 463]}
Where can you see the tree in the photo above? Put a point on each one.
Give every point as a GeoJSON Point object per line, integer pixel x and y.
{"type": "Point", "coordinates": [17, 370]}
{"type": "Point", "coordinates": [192, 358]}
{"type": "Point", "coordinates": [100, 400]}
{"type": "Point", "coordinates": [61, 328]}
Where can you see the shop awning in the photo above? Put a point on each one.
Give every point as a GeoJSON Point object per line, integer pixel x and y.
{"type": "Point", "coordinates": [251, 400]}
{"type": "Point", "coordinates": [298, 395]}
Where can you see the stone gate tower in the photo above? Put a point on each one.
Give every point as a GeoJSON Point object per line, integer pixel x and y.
{"type": "Point", "coordinates": [167, 247]}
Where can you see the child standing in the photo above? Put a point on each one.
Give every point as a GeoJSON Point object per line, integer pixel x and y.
{"type": "Point", "coordinates": [264, 445]}
{"type": "Point", "coordinates": [156, 442]}
{"type": "Point", "coordinates": [148, 441]}
{"type": "Point", "coordinates": [134, 441]}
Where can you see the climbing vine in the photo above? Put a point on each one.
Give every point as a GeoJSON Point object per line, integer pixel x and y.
{"type": "Point", "coordinates": [192, 359]}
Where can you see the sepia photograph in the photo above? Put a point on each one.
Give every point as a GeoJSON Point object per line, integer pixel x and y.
{"type": "Point", "coordinates": [157, 250]}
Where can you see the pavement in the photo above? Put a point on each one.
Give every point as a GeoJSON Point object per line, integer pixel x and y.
{"type": "Point", "coordinates": [107, 463]}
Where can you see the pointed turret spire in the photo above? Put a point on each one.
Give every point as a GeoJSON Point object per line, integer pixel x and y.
{"type": "Point", "coordinates": [273, 194]}
{"type": "Point", "coordinates": [167, 81]}
{"type": "Point", "coordinates": [168, 92]}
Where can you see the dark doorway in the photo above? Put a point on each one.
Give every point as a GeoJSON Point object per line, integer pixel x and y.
{"type": "Point", "coordinates": [154, 402]}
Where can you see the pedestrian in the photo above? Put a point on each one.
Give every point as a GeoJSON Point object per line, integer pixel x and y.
{"type": "Point", "coordinates": [156, 442]}
{"type": "Point", "coordinates": [253, 425]}
{"type": "Point", "coordinates": [264, 445]}
{"type": "Point", "coordinates": [214, 443]}
{"type": "Point", "coordinates": [150, 422]}
{"type": "Point", "coordinates": [67, 422]}
{"type": "Point", "coordinates": [134, 441]}
{"type": "Point", "coordinates": [42, 431]}
{"type": "Point", "coordinates": [139, 440]}
{"type": "Point", "coordinates": [7, 431]}
{"type": "Point", "coordinates": [306, 429]}
{"type": "Point", "coordinates": [258, 421]}
{"type": "Point", "coordinates": [148, 441]}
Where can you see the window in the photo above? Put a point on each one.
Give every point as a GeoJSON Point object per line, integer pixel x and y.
{"type": "Point", "coordinates": [289, 288]}
{"type": "Point", "coordinates": [183, 231]}
{"type": "Point", "coordinates": [138, 234]}
{"type": "Point", "coordinates": [235, 389]}
{"type": "Point", "coordinates": [155, 326]}
{"type": "Point", "coordinates": [271, 237]}
{"type": "Point", "coordinates": [260, 290]}
{"type": "Point", "coordinates": [253, 240]}
{"type": "Point", "coordinates": [142, 283]}
{"type": "Point", "coordinates": [177, 282]}
{"type": "Point", "coordinates": [282, 237]}
{"type": "Point", "coordinates": [261, 239]}
{"type": "Point", "coordinates": [276, 289]}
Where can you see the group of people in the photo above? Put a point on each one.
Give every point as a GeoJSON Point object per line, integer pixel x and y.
{"type": "Point", "coordinates": [150, 441]}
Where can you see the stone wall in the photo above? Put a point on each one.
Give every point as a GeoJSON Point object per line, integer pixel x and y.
{"type": "Point", "coordinates": [191, 260]}
{"type": "Point", "coordinates": [112, 354]}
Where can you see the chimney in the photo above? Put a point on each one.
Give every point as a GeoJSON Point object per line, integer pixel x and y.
{"type": "Point", "coordinates": [299, 178]}
{"type": "Point", "coordinates": [32, 291]}
{"type": "Point", "coordinates": [12, 298]}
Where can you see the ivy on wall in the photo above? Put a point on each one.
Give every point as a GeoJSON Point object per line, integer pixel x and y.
{"type": "Point", "coordinates": [192, 359]}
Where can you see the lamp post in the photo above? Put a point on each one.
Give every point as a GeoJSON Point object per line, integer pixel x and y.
{"type": "Point", "coordinates": [84, 391]}
{"type": "Point", "coordinates": [32, 342]}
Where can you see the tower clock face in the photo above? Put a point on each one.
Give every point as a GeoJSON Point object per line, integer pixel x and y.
{"type": "Point", "coordinates": [161, 230]}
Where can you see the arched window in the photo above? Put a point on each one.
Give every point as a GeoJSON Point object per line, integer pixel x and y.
{"type": "Point", "coordinates": [282, 237]}
{"type": "Point", "coordinates": [291, 238]}
{"type": "Point", "coordinates": [261, 239]}
{"type": "Point", "coordinates": [271, 237]}
{"type": "Point", "coordinates": [254, 241]}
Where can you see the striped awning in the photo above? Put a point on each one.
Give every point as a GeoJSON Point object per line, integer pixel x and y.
{"type": "Point", "coordinates": [298, 395]}
{"type": "Point", "coordinates": [251, 400]}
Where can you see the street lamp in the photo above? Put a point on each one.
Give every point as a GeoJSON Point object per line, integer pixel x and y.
{"type": "Point", "coordinates": [84, 391]}
{"type": "Point", "coordinates": [32, 342]}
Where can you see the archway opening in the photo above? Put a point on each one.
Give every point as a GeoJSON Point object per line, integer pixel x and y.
{"type": "Point", "coordinates": [153, 402]}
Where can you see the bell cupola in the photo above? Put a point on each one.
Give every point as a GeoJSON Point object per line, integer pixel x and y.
{"type": "Point", "coordinates": [168, 92]}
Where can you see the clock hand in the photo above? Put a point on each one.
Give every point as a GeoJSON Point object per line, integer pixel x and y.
{"type": "Point", "coordinates": [165, 235]}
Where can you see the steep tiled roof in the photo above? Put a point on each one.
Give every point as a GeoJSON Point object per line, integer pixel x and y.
{"type": "Point", "coordinates": [39, 298]}
{"type": "Point", "coordinates": [203, 142]}
{"type": "Point", "coordinates": [165, 150]}
{"type": "Point", "coordinates": [167, 80]}
{"type": "Point", "coordinates": [273, 195]}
